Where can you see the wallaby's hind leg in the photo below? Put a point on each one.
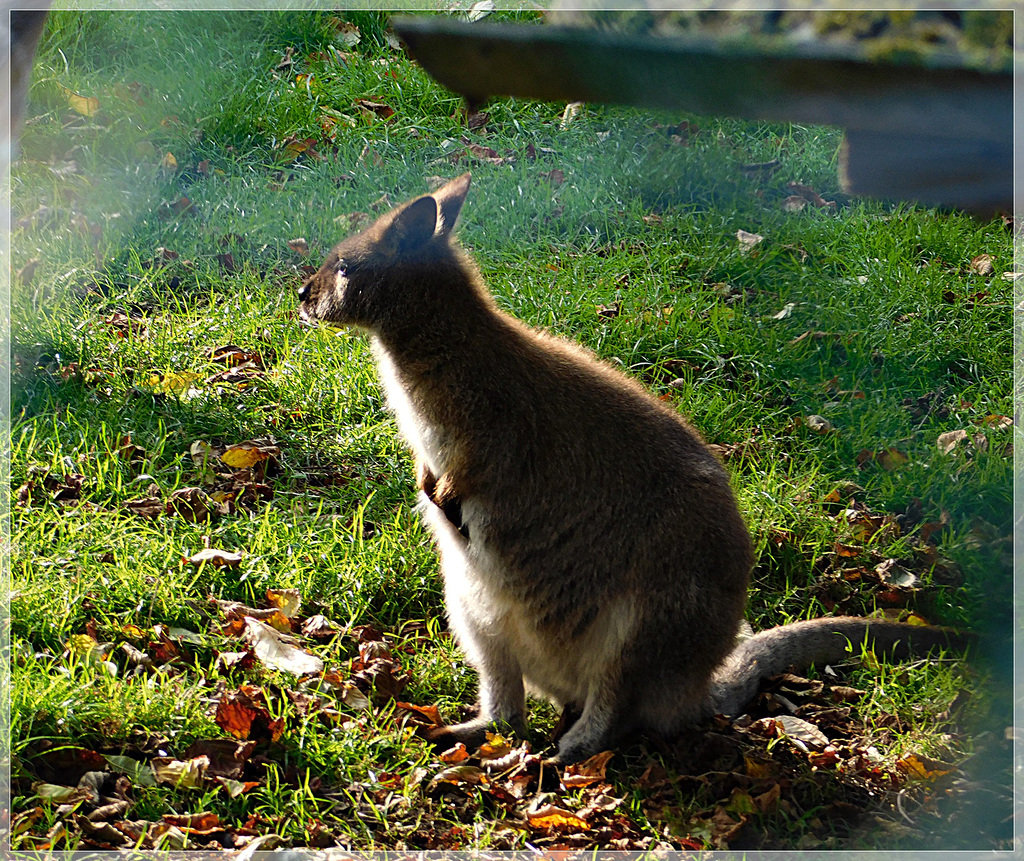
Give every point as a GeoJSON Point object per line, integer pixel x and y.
{"type": "Point", "coordinates": [502, 704]}
{"type": "Point", "coordinates": [598, 726]}
{"type": "Point", "coordinates": [502, 698]}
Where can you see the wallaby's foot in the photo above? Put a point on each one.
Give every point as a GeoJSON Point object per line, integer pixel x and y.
{"type": "Point", "coordinates": [472, 733]}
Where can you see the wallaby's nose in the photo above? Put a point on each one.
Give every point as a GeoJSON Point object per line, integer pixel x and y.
{"type": "Point", "coordinates": [304, 292]}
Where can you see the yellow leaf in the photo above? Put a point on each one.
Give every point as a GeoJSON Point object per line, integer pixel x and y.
{"type": "Point", "coordinates": [923, 768]}
{"type": "Point", "coordinates": [288, 601]}
{"type": "Point", "coordinates": [551, 818]}
{"type": "Point", "coordinates": [175, 384]}
{"type": "Point", "coordinates": [84, 105]}
{"type": "Point", "coordinates": [169, 162]}
{"type": "Point", "coordinates": [243, 456]}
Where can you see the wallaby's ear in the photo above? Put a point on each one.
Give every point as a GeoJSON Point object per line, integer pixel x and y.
{"type": "Point", "coordinates": [414, 226]}
{"type": "Point", "coordinates": [450, 198]}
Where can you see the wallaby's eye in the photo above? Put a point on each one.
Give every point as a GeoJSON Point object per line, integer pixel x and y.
{"type": "Point", "coordinates": [342, 269]}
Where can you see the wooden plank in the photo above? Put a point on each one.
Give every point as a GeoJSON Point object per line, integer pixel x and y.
{"type": "Point", "coordinates": [944, 108]}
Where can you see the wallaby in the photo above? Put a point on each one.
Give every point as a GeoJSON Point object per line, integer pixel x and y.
{"type": "Point", "coordinates": [591, 545]}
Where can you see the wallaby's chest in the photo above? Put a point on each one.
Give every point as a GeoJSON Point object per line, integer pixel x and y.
{"type": "Point", "coordinates": [430, 442]}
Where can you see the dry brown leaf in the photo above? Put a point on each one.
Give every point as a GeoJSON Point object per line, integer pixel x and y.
{"type": "Point", "coordinates": [589, 771]}
{"type": "Point", "coordinates": [192, 504]}
{"type": "Point", "coordinates": [454, 755]}
{"type": "Point", "coordinates": [803, 734]}
{"type": "Point", "coordinates": [748, 241]}
{"type": "Point", "coordinates": [983, 264]}
{"type": "Point", "coordinates": [375, 109]}
{"type": "Point", "coordinates": [460, 775]}
{"type": "Point", "coordinates": [818, 424]}
{"type": "Point", "coordinates": [948, 441]}
{"type": "Point", "coordinates": [998, 422]}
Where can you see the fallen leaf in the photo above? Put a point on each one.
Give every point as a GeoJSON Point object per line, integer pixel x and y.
{"type": "Point", "coordinates": [87, 106]}
{"type": "Point", "coordinates": [243, 714]}
{"type": "Point", "coordinates": [998, 422]}
{"type": "Point", "coordinates": [794, 203]}
{"type": "Point", "coordinates": [375, 109]}
{"type": "Point", "coordinates": [556, 177]}
{"type": "Point", "coordinates": [477, 120]}
{"type": "Point", "coordinates": [786, 311]}
{"type": "Point", "coordinates": [183, 774]}
{"type": "Point", "coordinates": [368, 155]}
{"type": "Point", "coordinates": [808, 194]}
{"type": "Point", "coordinates": [802, 733]}
{"type": "Point", "coordinates": [553, 818]}
{"type": "Point", "coordinates": [923, 768]}
{"type": "Point", "coordinates": [431, 712]}
{"type": "Point", "coordinates": [181, 384]}
{"type": "Point", "coordinates": [454, 755]}
{"type": "Point", "coordinates": [948, 441]}
{"type": "Point", "coordinates": [347, 33]}
{"type": "Point", "coordinates": [192, 504]}
{"type": "Point", "coordinates": [818, 424]}
{"type": "Point", "coordinates": [983, 264]}
{"type": "Point", "coordinates": [589, 771]}
{"type": "Point", "coordinates": [480, 10]}
{"type": "Point", "coordinates": [889, 458]}
{"type": "Point", "coordinates": [748, 241]}
{"type": "Point", "coordinates": [234, 788]}
{"type": "Point", "coordinates": [288, 601]}
{"type": "Point", "coordinates": [247, 454]}
{"type": "Point", "coordinates": [217, 558]}
{"type": "Point", "coordinates": [572, 110]}
{"type": "Point", "coordinates": [278, 651]}
{"type": "Point", "coordinates": [460, 775]}
{"type": "Point", "coordinates": [182, 206]}
{"type": "Point", "coordinates": [299, 245]}
{"type": "Point", "coordinates": [894, 574]}
{"type": "Point", "coordinates": [226, 757]}
{"type": "Point", "coordinates": [320, 627]}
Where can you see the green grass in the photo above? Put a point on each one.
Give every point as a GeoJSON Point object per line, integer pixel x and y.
{"type": "Point", "coordinates": [916, 345]}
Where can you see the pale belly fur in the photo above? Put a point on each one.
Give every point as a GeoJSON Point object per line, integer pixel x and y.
{"type": "Point", "coordinates": [481, 610]}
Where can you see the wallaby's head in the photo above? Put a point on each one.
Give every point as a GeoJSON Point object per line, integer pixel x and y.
{"type": "Point", "coordinates": [388, 275]}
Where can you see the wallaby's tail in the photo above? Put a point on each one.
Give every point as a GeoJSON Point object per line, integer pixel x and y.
{"type": "Point", "coordinates": [818, 641]}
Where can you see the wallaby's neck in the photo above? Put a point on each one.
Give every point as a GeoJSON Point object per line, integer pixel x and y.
{"type": "Point", "coordinates": [453, 319]}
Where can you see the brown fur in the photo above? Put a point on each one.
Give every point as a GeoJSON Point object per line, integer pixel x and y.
{"type": "Point", "coordinates": [590, 541]}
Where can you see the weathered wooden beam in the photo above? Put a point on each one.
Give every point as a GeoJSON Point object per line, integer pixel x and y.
{"type": "Point", "coordinates": [942, 135]}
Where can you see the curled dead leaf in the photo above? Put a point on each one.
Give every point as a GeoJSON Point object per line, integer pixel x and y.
{"type": "Point", "coordinates": [552, 818]}
{"type": "Point", "coordinates": [217, 558]}
{"type": "Point", "coordinates": [278, 651]}
{"type": "Point", "coordinates": [182, 774]}
{"type": "Point", "coordinates": [748, 241]}
{"type": "Point", "coordinates": [983, 264]}
{"type": "Point", "coordinates": [950, 440]}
